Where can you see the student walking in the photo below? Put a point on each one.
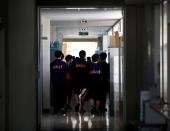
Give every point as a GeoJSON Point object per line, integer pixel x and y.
{"type": "Point", "coordinates": [95, 89]}
{"type": "Point", "coordinates": [105, 80]}
{"type": "Point", "coordinates": [68, 89]}
{"type": "Point", "coordinates": [58, 70]}
{"type": "Point", "coordinates": [79, 69]}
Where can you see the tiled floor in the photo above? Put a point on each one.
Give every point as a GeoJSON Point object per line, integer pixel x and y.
{"type": "Point", "coordinates": [80, 122]}
{"type": "Point", "coordinates": [73, 121]}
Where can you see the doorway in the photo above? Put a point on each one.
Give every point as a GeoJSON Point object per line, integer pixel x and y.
{"type": "Point", "coordinates": [74, 48]}
{"type": "Point", "coordinates": [70, 30]}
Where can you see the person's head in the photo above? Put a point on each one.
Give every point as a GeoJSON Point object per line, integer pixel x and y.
{"type": "Point", "coordinates": [82, 54]}
{"type": "Point", "coordinates": [58, 54]}
{"type": "Point", "coordinates": [103, 56]}
{"type": "Point", "coordinates": [88, 58]}
{"type": "Point", "coordinates": [95, 57]}
{"type": "Point", "coordinates": [62, 56]}
{"type": "Point", "coordinates": [68, 58]}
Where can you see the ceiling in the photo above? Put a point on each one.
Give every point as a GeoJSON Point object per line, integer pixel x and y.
{"type": "Point", "coordinates": [70, 21]}
{"type": "Point", "coordinates": [141, 1]}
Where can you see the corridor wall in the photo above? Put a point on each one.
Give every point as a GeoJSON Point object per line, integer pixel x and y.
{"type": "Point", "coordinates": [22, 73]}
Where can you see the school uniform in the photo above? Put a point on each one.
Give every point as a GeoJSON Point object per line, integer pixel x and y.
{"type": "Point", "coordinates": [95, 87]}
{"type": "Point", "coordinates": [59, 70]}
{"type": "Point", "coordinates": [104, 83]}
{"type": "Point", "coordinates": [79, 72]}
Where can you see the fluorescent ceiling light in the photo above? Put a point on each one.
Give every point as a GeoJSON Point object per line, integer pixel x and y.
{"type": "Point", "coordinates": [80, 8]}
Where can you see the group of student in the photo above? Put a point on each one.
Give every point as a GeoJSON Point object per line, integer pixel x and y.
{"type": "Point", "coordinates": [82, 79]}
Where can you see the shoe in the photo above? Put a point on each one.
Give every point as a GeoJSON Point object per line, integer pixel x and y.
{"type": "Point", "coordinates": [77, 108]}
{"type": "Point", "coordinates": [103, 109]}
{"type": "Point", "coordinates": [97, 112]}
{"type": "Point", "coordinates": [93, 110]}
{"type": "Point", "coordinates": [82, 111]}
{"type": "Point", "coordinates": [55, 111]}
{"type": "Point", "coordinates": [61, 111]}
{"type": "Point", "coordinates": [68, 108]}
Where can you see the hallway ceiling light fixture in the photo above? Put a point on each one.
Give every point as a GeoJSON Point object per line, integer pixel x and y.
{"type": "Point", "coordinates": [83, 29]}
{"type": "Point", "coordinates": [83, 21]}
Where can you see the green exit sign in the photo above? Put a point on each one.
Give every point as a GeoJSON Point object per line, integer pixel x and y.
{"type": "Point", "coordinates": [83, 33]}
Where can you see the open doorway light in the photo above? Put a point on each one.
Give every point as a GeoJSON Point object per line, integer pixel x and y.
{"type": "Point", "coordinates": [73, 48]}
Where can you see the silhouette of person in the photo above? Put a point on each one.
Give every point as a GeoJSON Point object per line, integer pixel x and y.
{"type": "Point", "coordinates": [79, 73]}
{"type": "Point", "coordinates": [58, 70]}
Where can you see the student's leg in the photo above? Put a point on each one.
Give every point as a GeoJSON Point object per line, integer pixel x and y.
{"type": "Point", "coordinates": [97, 106]}
{"type": "Point", "coordinates": [82, 97]}
{"type": "Point", "coordinates": [77, 100]}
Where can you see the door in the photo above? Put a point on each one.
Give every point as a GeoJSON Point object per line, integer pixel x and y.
{"type": "Point", "coordinates": [2, 79]}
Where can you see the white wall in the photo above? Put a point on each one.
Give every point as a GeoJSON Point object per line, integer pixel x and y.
{"type": "Point", "coordinates": [114, 79]}
{"type": "Point", "coordinates": [53, 33]}
{"type": "Point", "coordinates": [105, 42]}
{"type": "Point", "coordinates": [21, 66]}
{"type": "Point", "coordinates": [59, 37]}
{"type": "Point", "coordinates": [45, 45]}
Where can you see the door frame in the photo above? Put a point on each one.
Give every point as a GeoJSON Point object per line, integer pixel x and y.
{"type": "Point", "coordinates": [39, 88]}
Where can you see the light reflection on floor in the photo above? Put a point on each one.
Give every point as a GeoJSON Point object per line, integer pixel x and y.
{"type": "Point", "coordinates": [78, 122]}
{"type": "Point", "coordinates": [74, 121]}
